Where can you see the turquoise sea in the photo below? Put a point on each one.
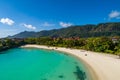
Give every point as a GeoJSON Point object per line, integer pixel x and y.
{"type": "Point", "coordinates": [40, 64]}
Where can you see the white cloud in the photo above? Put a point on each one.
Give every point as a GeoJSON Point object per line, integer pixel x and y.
{"type": "Point", "coordinates": [46, 24]}
{"type": "Point", "coordinates": [114, 14]}
{"type": "Point", "coordinates": [63, 24]}
{"type": "Point", "coordinates": [7, 21]}
{"type": "Point", "coordinates": [29, 26]}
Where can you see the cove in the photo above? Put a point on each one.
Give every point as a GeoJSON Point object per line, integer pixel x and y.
{"type": "Point", "coordinates": [40, 64]}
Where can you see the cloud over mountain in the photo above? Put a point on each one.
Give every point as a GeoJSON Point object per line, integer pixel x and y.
{"type": "Point", "coordinates": [29, 26]}
{"type": "Point", "coordinates": [63, 24]}
{"type": "Point", "coordinates": [114, 14]}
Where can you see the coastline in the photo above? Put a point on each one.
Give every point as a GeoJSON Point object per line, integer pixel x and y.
{"type": "Point", "coordinates": [100, 67]}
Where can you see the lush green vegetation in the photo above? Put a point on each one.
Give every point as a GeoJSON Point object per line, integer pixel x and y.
{"type": "Point", "coordinates": [83, 31]}
{"type": "Point", "coordinates": [10, 43]}
{"type": "Point", "coordinates": [98, 44]}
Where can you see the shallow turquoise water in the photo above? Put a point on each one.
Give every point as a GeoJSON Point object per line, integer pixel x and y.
{"type": "Point", "coordinates": [39, 64]}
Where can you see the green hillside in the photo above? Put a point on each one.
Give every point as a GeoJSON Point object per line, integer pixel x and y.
{"type": "Point", "coordinates": [102, 29]}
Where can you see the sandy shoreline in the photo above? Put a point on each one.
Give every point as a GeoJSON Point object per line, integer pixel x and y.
{"type": "Point", "coordinates": [101, 67]}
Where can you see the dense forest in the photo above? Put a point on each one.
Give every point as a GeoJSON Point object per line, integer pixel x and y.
{"type": "Point", "coordinates": [99, 44]}
{"type": "Point", "coordinates": [83, 31]}
{"type": "Point", "coordinates": [10, 43]}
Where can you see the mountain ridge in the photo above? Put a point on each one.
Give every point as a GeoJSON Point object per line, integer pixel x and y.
{"type": "Point", "coordinates": [89, 30]}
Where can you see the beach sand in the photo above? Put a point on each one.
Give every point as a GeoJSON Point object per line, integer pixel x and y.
{"type": "Point", "coordinates": [100, 66]}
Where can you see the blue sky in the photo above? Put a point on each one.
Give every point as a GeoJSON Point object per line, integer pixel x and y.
{"type": "Point", "coordinates": [37, 15]}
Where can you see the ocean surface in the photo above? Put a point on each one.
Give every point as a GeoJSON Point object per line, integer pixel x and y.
{"type": "Point", "coordinates": [40, 64]}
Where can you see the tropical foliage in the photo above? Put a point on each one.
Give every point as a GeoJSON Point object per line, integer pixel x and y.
{"type": "Point", "coordinates": [10, 43]}
{"type": "Point", "coordinates": [98, 44]}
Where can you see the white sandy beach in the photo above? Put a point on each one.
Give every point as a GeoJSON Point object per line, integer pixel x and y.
{"type": "Point", "coordinates": [101, 67]}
